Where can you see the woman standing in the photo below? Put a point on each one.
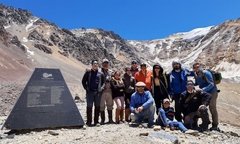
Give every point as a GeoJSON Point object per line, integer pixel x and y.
{"type": "Point", "coordinates": [117, 86]}
{"type": "Point", "coordinates": [159, 85]}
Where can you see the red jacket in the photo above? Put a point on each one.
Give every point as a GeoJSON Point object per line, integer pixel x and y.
{"type": "Point", "coordinates": [140, 77]}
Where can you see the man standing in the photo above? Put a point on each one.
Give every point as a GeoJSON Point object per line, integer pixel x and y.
{"type": "Point", "coordinates": [205, 81]}
{"type": "Point", "coordinates": [194, 105]}
{"type": "Point", "coordinates": [141, 105]}
{"type": "Point", "coordinates": [129, 83]}
{"type": "Point", "coordinates": [106, 99]}
{"type": "Point", "coordinates": [178, 82]}
{"type": "Point", "coordinates": [93, 82]}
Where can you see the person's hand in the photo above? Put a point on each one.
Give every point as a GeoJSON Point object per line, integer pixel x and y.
{"type": "Point", "coordinates": [130, 87]}
{"type": "Point", "coordinates": [136, 110]}
{"type": "Point", "coordinates": [202, 108]}
{"type": "Point", "coordinates": [140, 108]}
{"type": "Point", "coordinates": [128, 101]}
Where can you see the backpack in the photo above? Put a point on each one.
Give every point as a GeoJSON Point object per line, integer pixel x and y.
{"type": "Point", "coordinates": [217, 76]}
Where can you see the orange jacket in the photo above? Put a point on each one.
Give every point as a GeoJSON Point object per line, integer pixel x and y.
{"type": "Point", "coordinates": [140, 77]}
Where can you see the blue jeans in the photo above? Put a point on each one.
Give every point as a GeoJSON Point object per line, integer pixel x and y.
{"type": "Point", "coordinates": [145, 114]}
{"type": "Point", "coordinates": [93, 97]}
{"type": "Point", "coordinates": [165, 121]}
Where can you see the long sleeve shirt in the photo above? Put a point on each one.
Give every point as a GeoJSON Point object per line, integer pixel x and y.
{"type": "Point", "coordinates": [145, 99]}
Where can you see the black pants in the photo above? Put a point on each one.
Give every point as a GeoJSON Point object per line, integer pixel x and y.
{"type": "Point", "coordinates": [127, 100]}
{"type": "Point", "coordinates": [158, 96]}
{"type": "Point", "coordinates": [178, 111]}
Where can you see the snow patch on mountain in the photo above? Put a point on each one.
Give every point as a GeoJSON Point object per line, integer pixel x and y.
{"type": "Point", "coordinates": [24, 39]}
{"type": "Point", "coordinates": [195, 33]}
{"type": "Point", "coordinates": [81, 32]}
{"type": "Point", "coordinates": [229, 70]}
{"type": "Point", "coordinates": [29, 52]}
{"type": "Point", "coordinates": [30, 26]}
{"type": "Point", "coordinates": [6, 27]}
{"type": "Point", "coordinates": [197, 51]}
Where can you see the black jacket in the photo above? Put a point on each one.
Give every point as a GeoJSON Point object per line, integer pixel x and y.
{"type": "Point", "coordinates": [88, 82]}
{"type": "Point", "coordinates": [129, 83]}
{"type": "Point", "coordinates": [163, 89]}
{"type": "Point", "coordinates": [117, 87]}
{"type": "Point", "coordinates": [190, 102]}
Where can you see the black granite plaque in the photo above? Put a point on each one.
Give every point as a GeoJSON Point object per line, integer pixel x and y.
{"type": "Point", "coordinates": [45, 102]}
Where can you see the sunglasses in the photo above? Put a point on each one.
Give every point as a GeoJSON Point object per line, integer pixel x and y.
{"type": "Point", "coordinates": [140, 87]}
{"type": "Point", "coordinates": [190, 84]}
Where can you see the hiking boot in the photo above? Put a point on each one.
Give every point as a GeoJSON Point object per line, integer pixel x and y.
{"type": "Point", "coordinates": [89, 124]}
{"type": "Point", "coordinates": [117, 115]}
{"type": "Point", "coordinates": [214, 128]}
{"type": "Point", "coordinates": [102, 117]}
{"type": "Point", "coordinates": [127, 113]}
{"type": "Point", "coordinates": [96, 115]}
{"type": "Point", "coordinates": [97, 124]}
{"type": "Point", "coordinates": [150, 125]}
{"type": "Point", "coordinates": [121, 114]}
{"type": "Point", "coordinates": [89, 116]}
{"type": "Point", "coordinates": [110, 120]}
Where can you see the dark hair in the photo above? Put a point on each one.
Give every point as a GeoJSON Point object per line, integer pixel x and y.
{"type": "Point", "coordinates": [134, 62]}
{"type": "Point", "coordinates": [160, 72]}
{"type": "Point", "coordinates": [196, 63]}
{"type": "Point", "coordinates": [116, 73]}
{"type": "Point", "coordinates": [127, 68]}
{"type": "Point", "coordinates": [94, 61]}
{"type": "Point", "coordinates": [143, 64]}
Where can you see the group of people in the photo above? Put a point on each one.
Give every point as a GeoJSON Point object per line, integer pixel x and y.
{"type": "Point", "coordinates": [139, 93]}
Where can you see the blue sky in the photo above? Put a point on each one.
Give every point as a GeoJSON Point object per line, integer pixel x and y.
{"type": "Point", "coordinates": [133, 19]}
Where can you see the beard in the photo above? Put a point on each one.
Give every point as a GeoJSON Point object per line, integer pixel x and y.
{"type": "Point", "coordinates": [177, 69]}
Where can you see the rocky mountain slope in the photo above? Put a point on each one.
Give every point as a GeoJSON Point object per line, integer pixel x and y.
{"type": "Point", "coordinates": [218, 47]}
{"type": "Point", "coordinates": [35, 42]}
{"type": "Point", "coordinates": [215, 46]}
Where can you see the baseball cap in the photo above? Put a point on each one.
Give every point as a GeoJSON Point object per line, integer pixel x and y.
{"type": "Point", "coordinates": [140, 84]}
{"type": "Point", "coordinates": [105, 60]}
{"type": "Point", "coordinates": [166, 100]}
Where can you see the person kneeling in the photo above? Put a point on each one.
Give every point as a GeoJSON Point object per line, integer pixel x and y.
{"type": "Point", "coordinates": [194, 105]}
{"type": "Point", "coordinates": [141, 105]}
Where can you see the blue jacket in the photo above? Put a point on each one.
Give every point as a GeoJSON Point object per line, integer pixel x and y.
{"type": "Point", "coordinates": [206, 82]}
{"type": "Point", "coordinates": [137, 100]}
{"type": "Point", "coordinates": [178, 81]}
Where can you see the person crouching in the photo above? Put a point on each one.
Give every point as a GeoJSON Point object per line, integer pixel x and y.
{"type": "Point", "coordinates": [194, 105]}
{"type": "Point", "coordinates": [142, 105]}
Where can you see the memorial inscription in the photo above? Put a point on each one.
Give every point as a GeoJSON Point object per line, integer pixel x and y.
{"type": "Point", "coordinates": [45, 102]}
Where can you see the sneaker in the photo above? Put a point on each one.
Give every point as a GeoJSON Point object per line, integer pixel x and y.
{"type": "Point", "coordinates": [150, 125]}
{"type": "Point", "coordinates": [157, 128]}
{"type": "Point", "coordinates": [97, 124]}
{"type": "Point", "coordinates": [192, 132]}
{"type": "Point", "coordinates": [132, 117]}
{"type": "Point", "coordinates": [89, 124]}
{"type": "Point", "coordinates": [111, 122]}
{"type": "Point", "coordinates": [133, 124]}
{"type": "Point", "coordinates": [172, 128]}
